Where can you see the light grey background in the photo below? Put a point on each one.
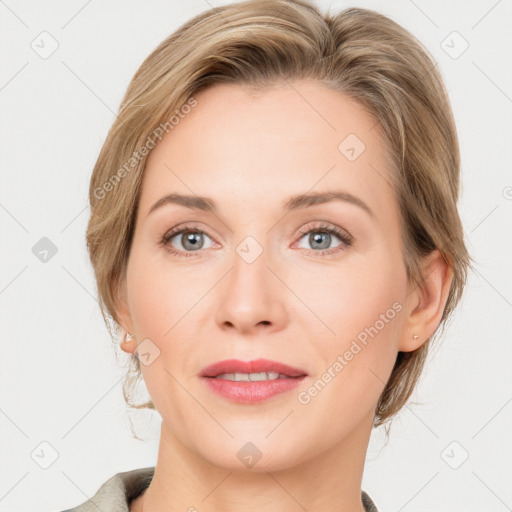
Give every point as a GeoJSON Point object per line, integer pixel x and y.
{"type": "Point", "coordinates": [60, 383]}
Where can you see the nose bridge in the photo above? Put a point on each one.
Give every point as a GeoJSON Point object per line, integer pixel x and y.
{"type": "Point", "coordinates": [250, 276]}
{"type": "Point", "coordinates": [251, 297]}
{"type": "Point", "coordinates": [250, 262]}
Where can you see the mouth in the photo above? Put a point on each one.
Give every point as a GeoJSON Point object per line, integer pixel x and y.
{"type": "Point", "coordinates": [252, 377]}
{"type": "Point", "coordinates": [251, 371]}
{"type": "Point", "coordinates": [251, 382]}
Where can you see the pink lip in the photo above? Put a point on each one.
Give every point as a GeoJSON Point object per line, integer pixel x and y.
{"type": "Point", "coordinates": [255, 366]}
{"type": "Point", "coordinates": [250, 392]}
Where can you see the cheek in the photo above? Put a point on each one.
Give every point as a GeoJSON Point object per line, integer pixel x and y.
{"type": "Point", "coordinates": [164, 302]}
{"type": "Point", "coordinates": [365, 316]}
{"type": "Point", "coordinates": [149, 304]}
{"type": "Point", "coordinates": [160, 293]}
{"type": "Point", "coordinates": [360, 305]}
{"type": "Point", "coordinates": [160, 298]}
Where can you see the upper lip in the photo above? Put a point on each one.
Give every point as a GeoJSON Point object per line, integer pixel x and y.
{"type": "Point", "coordinates": [255, 366]}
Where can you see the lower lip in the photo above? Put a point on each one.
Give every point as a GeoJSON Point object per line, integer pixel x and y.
{"type": "Point", "coordinates": [251, 392]}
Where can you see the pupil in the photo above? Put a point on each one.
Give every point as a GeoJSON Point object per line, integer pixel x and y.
{"type": "Point", "coordinates": [192, 238]}
{"type": "Point", "coordinates": [316, 237]}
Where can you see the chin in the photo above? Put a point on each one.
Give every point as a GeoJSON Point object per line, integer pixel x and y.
{"type": "Point", "coordinates": [252, 453]}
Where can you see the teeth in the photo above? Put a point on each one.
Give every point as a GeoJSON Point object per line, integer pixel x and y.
{"type": "Point", "coordinates": [252, 377]}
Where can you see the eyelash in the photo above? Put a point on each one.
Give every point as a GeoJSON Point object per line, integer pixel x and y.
{"type": "Point", "coordinates": [346, 239]}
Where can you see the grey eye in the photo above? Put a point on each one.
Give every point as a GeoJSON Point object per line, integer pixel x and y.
{"type": "Point", "coordinates": [320, 239]}
{"type": "Point", "coordinates": [190, 241]}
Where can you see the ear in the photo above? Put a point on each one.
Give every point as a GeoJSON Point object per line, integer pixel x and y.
{"type": "Point", "coordinates": [425, 302]}
{"type": "Point", "coordinates": [123, 316]}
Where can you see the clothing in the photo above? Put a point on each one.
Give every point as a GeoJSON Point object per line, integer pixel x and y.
{"type": "Point", "coordinates": [117, 492]}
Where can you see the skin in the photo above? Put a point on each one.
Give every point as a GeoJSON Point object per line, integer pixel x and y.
{"type": "Point", "coordinates": [249, 153]}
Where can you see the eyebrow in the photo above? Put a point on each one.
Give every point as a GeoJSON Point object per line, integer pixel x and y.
{"type": "Point", "coordinates": [300, 201]}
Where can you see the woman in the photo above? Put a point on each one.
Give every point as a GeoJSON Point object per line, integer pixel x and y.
{"type": "Point", "coordinates": [275, 236]}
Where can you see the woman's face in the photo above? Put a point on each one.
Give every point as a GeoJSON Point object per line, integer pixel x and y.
{"type": "Point", "coordinates": [252, 279]}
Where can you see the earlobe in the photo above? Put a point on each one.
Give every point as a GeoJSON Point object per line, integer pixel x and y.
{"type": "Point", "coordinates": [127, 342]}
{"type": "Point", "coordinates": [426, 302]}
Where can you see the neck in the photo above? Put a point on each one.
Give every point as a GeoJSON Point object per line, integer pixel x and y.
{"type": "Point", "coordinates": [329, 481]}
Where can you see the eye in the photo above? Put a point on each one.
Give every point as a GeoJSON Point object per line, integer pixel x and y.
{"type": "Point", "coordinates": [320, 239]}
{"type": "Point", "coordinates": [188, 239]}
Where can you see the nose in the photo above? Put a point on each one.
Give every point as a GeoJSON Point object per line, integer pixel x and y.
{"type": "Point", "coordinates": [252, 299]}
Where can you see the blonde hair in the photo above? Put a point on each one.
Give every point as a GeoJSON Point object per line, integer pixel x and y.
{"type": "Point", "coordinates": [258, 43]}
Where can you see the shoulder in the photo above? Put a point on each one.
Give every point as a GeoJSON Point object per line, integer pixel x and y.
{"type": "Point", "coordinates": [116, 493]}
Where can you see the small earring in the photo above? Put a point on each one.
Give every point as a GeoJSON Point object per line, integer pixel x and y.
{"type": "Point", "coordinates": [415, 337]}
{"type": "Point", "coordinates": [125, 337]}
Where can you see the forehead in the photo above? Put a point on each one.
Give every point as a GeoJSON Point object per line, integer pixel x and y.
{"type": "Point", "coordinates": [259, 146]}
